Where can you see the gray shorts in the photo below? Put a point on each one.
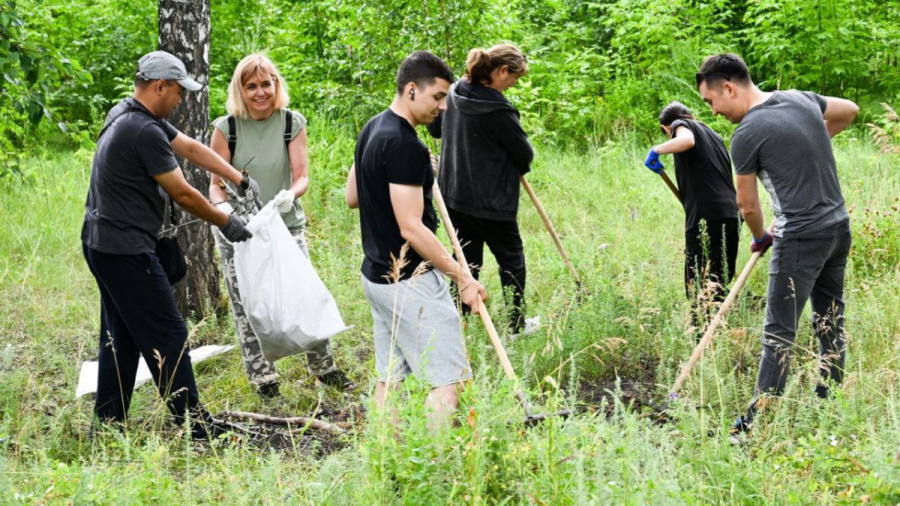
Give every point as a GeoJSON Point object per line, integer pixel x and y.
{"type": "Point", "coordinates": [417, 330]}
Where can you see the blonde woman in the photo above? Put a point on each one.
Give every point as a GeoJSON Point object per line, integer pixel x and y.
{"type": "Point", "coordinates": [262, 136]}
{"type": "Point", "coordinates": [484, 152]}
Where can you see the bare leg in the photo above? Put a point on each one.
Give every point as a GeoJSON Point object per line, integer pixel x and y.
{"type": "Point", "coordinates": [381, 394]}
{"type": "Point", "coordinates": [441, 403]}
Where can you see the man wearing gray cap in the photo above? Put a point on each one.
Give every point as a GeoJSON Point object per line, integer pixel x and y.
{"type": "Point", "coordinates": [134, 168]}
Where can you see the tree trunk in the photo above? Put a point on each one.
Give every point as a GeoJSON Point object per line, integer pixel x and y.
{"type": "Point", "coordinates": [184, 32]}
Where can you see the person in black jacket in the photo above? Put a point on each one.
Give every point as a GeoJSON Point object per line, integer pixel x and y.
{"type": "Point", "coordinates": [703, 172]}
{"type": "Point", "coordinates": [484, 152]}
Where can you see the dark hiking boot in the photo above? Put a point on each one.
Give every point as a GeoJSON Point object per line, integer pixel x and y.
{"type": "Point", "coordinates": [338, 380]}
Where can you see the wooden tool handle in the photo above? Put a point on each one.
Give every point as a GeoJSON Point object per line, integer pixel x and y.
{"type": "Point", "coordinates": [717, 320]}
{"type": "Point", "coordinates": [671, 185]}
{"type": "Point", "coordinates": [549, 225]}
{"type": "Point", "coordinates": [482, 309]}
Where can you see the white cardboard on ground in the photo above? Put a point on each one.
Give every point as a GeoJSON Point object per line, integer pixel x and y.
{"type": "Point", "coordinates": [87, 380]}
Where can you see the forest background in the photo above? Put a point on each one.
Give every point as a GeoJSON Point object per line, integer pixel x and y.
{"type": "Point", "coordinates": [600, 71]}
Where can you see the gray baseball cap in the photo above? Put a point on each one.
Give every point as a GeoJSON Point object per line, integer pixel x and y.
{"type": "Point", "coordinates": [162, 65]}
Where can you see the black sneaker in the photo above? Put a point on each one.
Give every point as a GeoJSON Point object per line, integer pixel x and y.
{"type": "Point", "coordinates": [739, 430]}
{"type": "Point", "coordinates": [337, 379]}
{"type": "Point", "coordinates": [269, 390]}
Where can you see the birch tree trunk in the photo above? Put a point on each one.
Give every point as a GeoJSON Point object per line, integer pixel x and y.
{"type": "Point", "coordinates": [184, 32]}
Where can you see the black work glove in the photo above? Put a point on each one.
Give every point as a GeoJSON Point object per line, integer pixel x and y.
{"type": "Point", "coordinates": [234, 229]}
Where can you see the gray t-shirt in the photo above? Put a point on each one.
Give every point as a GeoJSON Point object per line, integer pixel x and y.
{"type": "Point", "coordinates": [125, 206]}
{"type": "Point", "coordinates": [784, 142]}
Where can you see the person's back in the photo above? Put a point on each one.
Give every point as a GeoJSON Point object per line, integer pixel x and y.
{"type": "Point", "coordinates": [389, 151]}
{"type": "Point", "coordinates": [785, 142]}
{"type": "Point", "coordinates": [124, 211]}
{"type": "Point", "coordinates": [704, 175]}
{"type": "Point", "coordinates": [484, 152]}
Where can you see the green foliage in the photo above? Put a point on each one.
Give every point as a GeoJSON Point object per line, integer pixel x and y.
{"type": "Point", "coordinates": [821, 45]}
{"type": "Point", "coordinates": [340, 58]}
{"type": "Point", "coordinates": [876, 246]}
{"type": "Point", "coordinates": [885, 129]}
{"type": "Point", "coordinates": [597, 69]}
{"type": "Point", "coordinates": [30, 69]}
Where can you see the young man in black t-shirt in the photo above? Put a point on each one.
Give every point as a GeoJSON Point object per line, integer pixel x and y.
{"type": "Point", "coordinates": [134, 167]}
{"type": "Point", "coordinates": [711, 224]}
{"type": "Point", "coordinates": [416, 323]}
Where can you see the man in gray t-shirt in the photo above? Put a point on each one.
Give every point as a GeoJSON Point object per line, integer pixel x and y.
{"type": "Point", "coordinates": [783, 139]}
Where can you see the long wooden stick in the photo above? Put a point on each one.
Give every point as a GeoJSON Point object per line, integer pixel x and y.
{"type": "Point", "coordinates": [549, 225]}
{"type": "Point", "coordinates": [295, 421]}
{"type": "Point", "coordinates": [717, 320]}
{"type": "Point", "coordinates": [482, 309]}
{"type": "Point", "coordinates": [671, 186]}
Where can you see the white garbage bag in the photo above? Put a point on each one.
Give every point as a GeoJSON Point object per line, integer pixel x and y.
{"type": "Point", "coordinates": [288, 306]}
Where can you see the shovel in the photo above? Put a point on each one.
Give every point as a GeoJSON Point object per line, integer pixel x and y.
{"type": "Point", "coordinates": [530, 418]}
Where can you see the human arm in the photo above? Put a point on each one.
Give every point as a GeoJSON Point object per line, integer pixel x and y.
{"type": "Point", "coordinates": [186, 196]}
{"type": "Point", "coordinates": [220, 145]}
{"type": "Point", "coordinates": [839, 113]}
{"type": "Point", "coordinates": [508, 132]}
{"type": "Point", "coordinates": [408, 204]}
{"type": "Point", "coordinates": [748, 202]}
{"type": "Point", "coordinates": [350, 195]}
{"type": "Point", "coordinates": [299, 164]}
{"type": "Point", "coordinates": [681, 142]}
{"type": "Point", "coordinates": [205, 157]}
{"type": "Point", "coordinates": [192, 201]}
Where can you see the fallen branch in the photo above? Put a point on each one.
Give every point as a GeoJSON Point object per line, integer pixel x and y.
{"type": "Point", "coordinates": [297, 421]}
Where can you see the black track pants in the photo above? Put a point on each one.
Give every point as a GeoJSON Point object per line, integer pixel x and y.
{"type": "Point", "coordinates": [504, 241]}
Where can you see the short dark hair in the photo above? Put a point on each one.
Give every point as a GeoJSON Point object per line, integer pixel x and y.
{"type": "Point", "coordinates": [723, 67]}
{"type": "Point", "coordinates": [140, 83]}
{"type": "Point", "coordinates": [422, 68]}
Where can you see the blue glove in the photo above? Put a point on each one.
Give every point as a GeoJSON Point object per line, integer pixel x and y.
{"type": "Point", "coordinates": [652, 162]}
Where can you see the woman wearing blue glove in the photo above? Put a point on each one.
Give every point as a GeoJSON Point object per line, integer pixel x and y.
{"type": "Point", "coordinates": [261, 134]}
{"type": "Point", "coordinates": [703, 173]}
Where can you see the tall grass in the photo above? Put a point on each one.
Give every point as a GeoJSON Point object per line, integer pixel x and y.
{"type": "Point", "coordinates": [623, 230]}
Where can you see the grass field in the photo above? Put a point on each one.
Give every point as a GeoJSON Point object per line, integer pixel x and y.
{"type": "Point", "coordinates": [623, 230]}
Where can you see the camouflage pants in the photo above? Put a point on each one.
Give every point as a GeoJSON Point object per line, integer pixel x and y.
{"type": "Point", "coordinates": [260, 371]}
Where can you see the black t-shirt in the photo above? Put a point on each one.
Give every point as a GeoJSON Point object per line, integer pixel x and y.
{"type": "Point", "coordinates": [704, 176]}
{"type": "Point", "coordinates": [389, 151]}
{"type": "Point", "coordinates": [125, 206]}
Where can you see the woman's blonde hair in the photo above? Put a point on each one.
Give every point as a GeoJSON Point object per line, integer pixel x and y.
{"type": "Point", "coordinates": [481, 62]}
{"type": "Point", "coordinates": [253, 65]}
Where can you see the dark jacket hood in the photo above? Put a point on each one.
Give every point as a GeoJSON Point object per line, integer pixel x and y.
{"type": "Point", "coordinates": [476, 100]}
